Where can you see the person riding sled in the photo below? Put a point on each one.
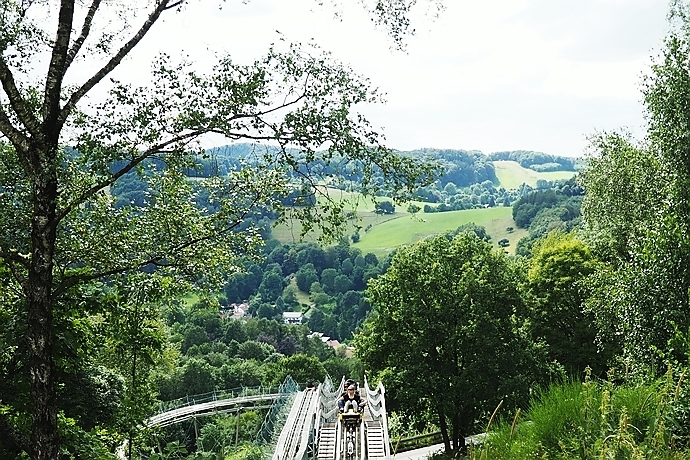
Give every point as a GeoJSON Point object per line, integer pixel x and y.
{"type": "Point", "coordinates": [351, 400]}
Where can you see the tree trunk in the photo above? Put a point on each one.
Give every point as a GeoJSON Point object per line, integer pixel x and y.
{"type": "Point", "coordinates": [458, 437]}
{"type": "Point", "coordinates": [44, 437]}
{"type": "Point", "coordinates": [444, 427]}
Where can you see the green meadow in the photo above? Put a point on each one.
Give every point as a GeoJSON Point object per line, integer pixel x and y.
{"type": "Point", "coordinates": [511, 175]}
{"type": "Point", "coordinates": [407, 229]}
{"type": "Point", "coordinates": [381, 234]}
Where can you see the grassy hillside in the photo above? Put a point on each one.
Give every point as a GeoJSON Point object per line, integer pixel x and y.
{"type": "Point", "coordinates": [407, 229]}
{"type": "Point", "coordinates": [289, 233]}
{"type": "Point", "coordinates": [354, 201]}
{"type": "Point", "coordinates": [386, 232]}
{"type": "Point", "coordinates": [390, 231]}
{"type": "Point", "coordinates": [511, 175]}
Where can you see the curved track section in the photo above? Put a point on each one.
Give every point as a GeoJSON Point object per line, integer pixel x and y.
{"type": "Point", "coordinates": [182, 409]}
{"type": "Point", "coordinates": [219, 406]}
{"type": "Point", "coordinates": [328, 433]}
{"type": "Point", "coordinates": [376, 423]}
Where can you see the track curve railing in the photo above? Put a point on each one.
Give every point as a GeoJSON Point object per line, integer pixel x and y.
{"type": "Point", "coordinates": [296, 436]}
{"type": "Point", "coordinates": [216, 395]}
{"type": "Point", "coordinates": [213, 407]}
{"type": "Point", "coordinates": [376, 402]}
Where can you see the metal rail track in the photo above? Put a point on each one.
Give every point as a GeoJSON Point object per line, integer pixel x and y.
{"type": "Point", "coordinates": [311, 430]}
{"type": "Point", "coordinates": [208, 408]}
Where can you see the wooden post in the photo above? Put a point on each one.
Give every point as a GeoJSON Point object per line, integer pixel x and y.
{"type": "Point", "coordinates": [237, 427]}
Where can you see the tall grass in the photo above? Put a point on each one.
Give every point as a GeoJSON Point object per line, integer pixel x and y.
{"type": "Point", "coordinates": [592, 420]}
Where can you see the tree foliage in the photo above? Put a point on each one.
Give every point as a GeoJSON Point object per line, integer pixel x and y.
{"type": "Point", "coordinates": [537, 161]}
{"type": "Point", "coordinates": [60, 227]}
{"type": "Point", "coordinates": [624, 194]}
{"type": "Point", "coordinates": [638, 223]}
{"type": "Point", "coordinates": [559, 265]}
{"type": "Point", "coordinates": [447, 334]}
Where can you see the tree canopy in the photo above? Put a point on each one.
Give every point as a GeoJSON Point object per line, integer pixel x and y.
{"type": "Point", "coordinates": [559, 265]}
{"type": "Point", "coordinates": [639, 223]}
{"type": "Point", "coordinates": [446, 335]}
{"type": "Point", "coordinates": [62, 149]}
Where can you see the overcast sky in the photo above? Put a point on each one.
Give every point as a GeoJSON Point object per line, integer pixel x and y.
{"type": "Point", "coordinates": [488, 75]}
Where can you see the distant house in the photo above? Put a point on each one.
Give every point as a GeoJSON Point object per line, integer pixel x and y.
{"type": "Point", "coordinates": [235, 311]}
{"type": "Point", "coordinates": [320, 335]}
{"type": "Point", "coordinates": [292, 317]}
{"type": "Point", "coordinates": [333, 343]}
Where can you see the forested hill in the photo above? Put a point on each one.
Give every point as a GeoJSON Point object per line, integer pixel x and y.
{"type": "Point", "coordinates": [462, 167]}
{"type": "Point", "coordinates": [538, 161]}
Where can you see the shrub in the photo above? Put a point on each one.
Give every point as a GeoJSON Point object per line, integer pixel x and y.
{"type": "Point", "coordinates": [592, 420]}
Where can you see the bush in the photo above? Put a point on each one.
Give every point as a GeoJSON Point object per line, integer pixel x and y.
{"type": "Point", "coordinates": [245, 452]}
{"type": "Point", "coordinates": [592, 420]}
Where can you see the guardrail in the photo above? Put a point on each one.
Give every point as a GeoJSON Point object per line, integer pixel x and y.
{"type": "Point", "coordinates": [415, 442]}
{"type": "Point", "coordinates": [376, 401]}
{"type": "Point", "coordinates": [190, 400]}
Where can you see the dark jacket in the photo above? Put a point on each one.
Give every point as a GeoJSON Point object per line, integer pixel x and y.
{"type": "Point", "coordinates": [345, 397]}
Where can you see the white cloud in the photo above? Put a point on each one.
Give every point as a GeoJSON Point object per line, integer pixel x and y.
{"type": "Point", "coordinates": [490, 75]}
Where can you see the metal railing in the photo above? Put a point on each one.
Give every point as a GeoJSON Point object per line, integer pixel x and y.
{"type": "Point", "coordinates": [417, 441]}
{"type": "Point", "coordinates": [190, 400]}
{"type": "Point", "coordinates": [376, 402]}
{"type": "Point", "coordinates": [277, 414]}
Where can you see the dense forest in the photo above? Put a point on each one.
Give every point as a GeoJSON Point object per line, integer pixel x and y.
{"type": "Point", "coordinates": [539, 161]}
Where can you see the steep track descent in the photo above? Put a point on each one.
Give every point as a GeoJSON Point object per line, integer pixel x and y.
{"type": "Point", "coordinates": [313, 430]}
